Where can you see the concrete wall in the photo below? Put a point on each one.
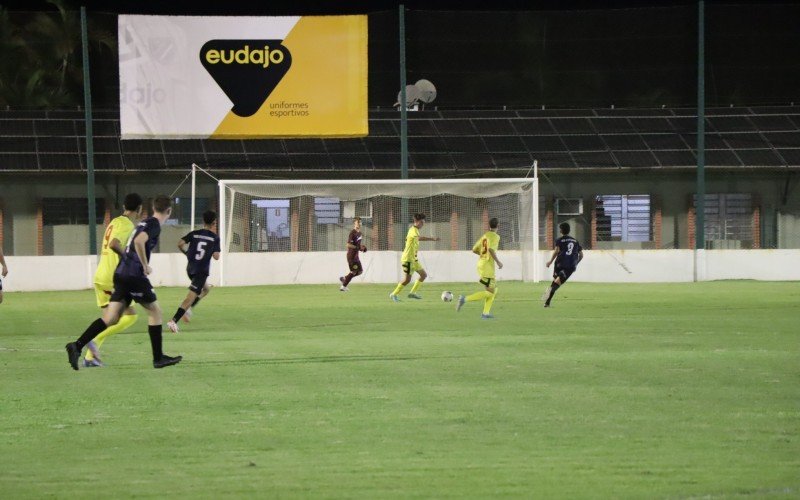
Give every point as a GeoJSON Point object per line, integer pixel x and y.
{"type": "Point", "coordinates": [246, 269]}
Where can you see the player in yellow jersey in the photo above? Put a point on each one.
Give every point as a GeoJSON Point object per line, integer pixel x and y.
{"type": "Point", "coordinates": [486, 249]}
{"type": "Point", "coordinates": [409, 261]}
{"type": "Point", "coordinates": [115, 239]}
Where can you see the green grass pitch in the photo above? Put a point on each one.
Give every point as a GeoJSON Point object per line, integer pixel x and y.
{"type": "Point", "coordinates": [618, 391]}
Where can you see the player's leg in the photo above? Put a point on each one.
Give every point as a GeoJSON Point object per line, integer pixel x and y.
{"type": "Point", "coordinates": [561, 278]}
{"type": "Point", "coordinates": [126, 320]}
{"type": "Point", "coordinates": [414, 289]}
{"type": "Point", "coordinates": [154, 329]}
{"type": "Point", "coordinates": [110, 317]}
{"type": "Point", "coordinates": [355, 270]}
{"type": "Point", "coordinates": [406, 280]}
{"type": "Point", "coordinates": [491, 288]}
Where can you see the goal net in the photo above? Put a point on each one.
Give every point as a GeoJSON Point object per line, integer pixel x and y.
{"type": "Point", "coordinates": [300, 228]}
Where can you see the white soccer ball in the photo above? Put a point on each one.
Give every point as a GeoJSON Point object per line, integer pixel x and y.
{"type": "Point", "coordinates": [447, 296]}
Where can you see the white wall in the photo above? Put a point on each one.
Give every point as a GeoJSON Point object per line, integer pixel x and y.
{"type": "Point", "coordinates": [243, 269]}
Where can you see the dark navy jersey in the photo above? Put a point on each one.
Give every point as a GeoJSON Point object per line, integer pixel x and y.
{"type": "Point", "coordinates": [202, 246]}
{"type": "Point", "coordinates": [568, 250]}
{"type": "Point", "coordinates": [129, 264]}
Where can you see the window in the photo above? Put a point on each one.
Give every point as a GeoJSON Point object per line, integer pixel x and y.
{"type": "Point", "coordinates": [60, 211]}
{"type": "Point", "coordinates": [327, 210]}
{"type": "Point", "coordinates": [622, 217]}
{"type": "Point", "coordinates": [728, 216]}
{"type": "Point", "coordinates": [182, 211]}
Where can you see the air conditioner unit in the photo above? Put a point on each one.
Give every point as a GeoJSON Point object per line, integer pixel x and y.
{"type": "Point", "coordinates": [351, 209]}
{"type": "Point", "coordinates": [569, 206]}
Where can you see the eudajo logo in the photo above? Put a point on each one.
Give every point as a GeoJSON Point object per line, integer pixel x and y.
{"type": "Point", "coordinates": [246, 70]}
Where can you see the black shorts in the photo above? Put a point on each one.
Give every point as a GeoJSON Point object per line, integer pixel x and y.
{"type": "Point", "coordinates": [138, 289]}
{"type": "Point", "coordinates": [563, 272]}
{"type": "Point", "coordinates": [198, 282]}
{"type": "Point", "coordinates": [1, 284]}
{"type": "Point", "coordinates": [355, 266]}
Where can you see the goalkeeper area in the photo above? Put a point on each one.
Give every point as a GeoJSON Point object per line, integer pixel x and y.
{"type": "Point", "coordinates": [618, 391]}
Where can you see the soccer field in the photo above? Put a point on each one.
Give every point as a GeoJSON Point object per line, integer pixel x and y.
{"type": "Point", "coordinates": [624, 391]}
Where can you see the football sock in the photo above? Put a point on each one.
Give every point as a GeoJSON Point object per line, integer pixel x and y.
{"type": "Point", "coordinates": [417, 285]}
{"type": "Point", "coordinates": [478, 296]}
{"type": "Point", "coordinates": [124, 323]}
{"type": "Point", "coordinates": [553, 289]}
{"type": "Point", "coordinates": [155, 341]}
{"type": "Point", "coordinates": [487, 304]}
{"type": "Point", "coordinates": [398, 288]}
{"type": "Point", "coordinates": [179, 314]}
{"type": "Point", "coordinates": [196, 300]}
{"type": "Point", "coordinates": [347, 279]}
{"type": "Point", "coordinates": [93, 331]}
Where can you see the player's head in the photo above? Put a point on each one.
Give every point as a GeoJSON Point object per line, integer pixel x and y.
{"type": "Point", "coordinates": [419, 220]}
{"type": "Point", "coordinates": [357, 223]}
{"type": "Point", "coordinates": [162, 204]}
{"type": "Point", "coordinates": [209, 217]}
{"type": "Point", "coordinates": [133, 203]}
{"type": "Point", "coordinates": [564, 228]}
{"type": "Point", "coordinates": [493, 223]}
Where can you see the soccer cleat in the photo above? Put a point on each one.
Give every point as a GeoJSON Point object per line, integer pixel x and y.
{"type": "Point", "coordinates": [173, 327]}
{"type": "Point", "coordinates": [73, 354]}
{"type": "Point", "coordinates": [460, 303]}
{"type": "Point", "coordinates": [187, 316]}
{"type": "Point", "coordinates": [487, 316]}
{"type": "Point", "coordinates": [394, 297]}
{"type": "Point", "coordinates": [165, 361]}
{"type": "Point", "coordinates": [414, 296]}
{"type": "Point", "coordinates": [547, 304]}
{"type": "Point", "coordinates": [546, 294]}
{"type": "Point", "coordinates": [341, 280]}
{"type": "Point", "coordinates": [93, 363]}
{"type": "Point", "coordinates": [343, 289]}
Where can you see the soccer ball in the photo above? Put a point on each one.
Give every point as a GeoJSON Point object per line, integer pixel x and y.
{"type": "Point", "coordinates": [447, 296]}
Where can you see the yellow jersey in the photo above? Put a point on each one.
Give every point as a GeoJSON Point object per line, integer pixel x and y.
{"type": "Point", "coordinates": [490, 240]}
{"type": "Point", "coordinates": [120, 229]}
{"type": "Point", "coordinates": [412, 245]}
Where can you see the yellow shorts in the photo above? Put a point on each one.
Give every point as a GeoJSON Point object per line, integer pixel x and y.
{"type": "Point", "coordinates": [103, 294]}
{"type": "Point", "coordinates": [411, 267]}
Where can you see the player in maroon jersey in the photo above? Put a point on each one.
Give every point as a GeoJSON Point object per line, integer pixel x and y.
{"type": "Point", "coordinates": [354, 245]}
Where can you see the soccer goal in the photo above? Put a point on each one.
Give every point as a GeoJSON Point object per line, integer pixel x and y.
{"type": "Point", "coordinates": [294, 231]}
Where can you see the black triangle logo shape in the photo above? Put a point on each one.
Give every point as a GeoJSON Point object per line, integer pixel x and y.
{"type": "Point", "coordinates": [246, 70]}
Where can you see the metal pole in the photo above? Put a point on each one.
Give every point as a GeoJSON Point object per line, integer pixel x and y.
{"type": "Point", "coordinates": [194, 187]}
{"type": "Point", "coordinates": [535, 211]}
{"type": "Point", "coordinates": [403, 110]}
{"type": "Point", "coordinates": [223, 230]}
{"type": "Point", "coordinates": [87, 104]}
{"type": "Point", "coordinates": [700, 204]}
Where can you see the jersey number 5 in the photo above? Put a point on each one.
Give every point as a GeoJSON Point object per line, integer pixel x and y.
{"type": "Point", "coordinates": [201, 250]}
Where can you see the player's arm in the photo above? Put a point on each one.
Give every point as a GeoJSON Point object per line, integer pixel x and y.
{"type": "Point", "coordinates": [217, 249]}
{"type": "Point", "coordinates": [428, 238]}
{"type": "Point", "coordinates": [556, 250]}
{"type": "Point", "coordinates": [116, 246]}
{"type": "Point", "coordinates": [476, 248]}
{"type": "Point", "coordinates": [138, 244]}
{"type": "Point", "coordinates": [494, 256]}
{"type": "Point", "coordinates": [182, 245]}
{"type": "Point", "coordinates": [580, 256]}
{"type": "Point", "coordinates": [4, 272]}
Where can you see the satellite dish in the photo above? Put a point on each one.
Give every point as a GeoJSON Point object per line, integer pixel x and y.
{"type": "Point", "coordinates": [427, 91]}
{"type": "Point", "coordinates": [412, 95]}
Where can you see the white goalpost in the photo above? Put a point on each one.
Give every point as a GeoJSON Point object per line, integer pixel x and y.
{"type": "Point", "coordinates": [294, 231]}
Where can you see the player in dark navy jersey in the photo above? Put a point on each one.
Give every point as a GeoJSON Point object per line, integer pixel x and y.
{"type": "Point", "coordinates": [199, 246]}
{"type": "Point", "coordinates": [567, 254]}
{"type": "Point", "coordinates": [131, 284]}
{"type": "Point", "coordinates": [355, 244]}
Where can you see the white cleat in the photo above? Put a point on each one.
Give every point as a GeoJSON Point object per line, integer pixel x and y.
{"type": "Point", "coordinates": [394, 297]}
{"type": "Point", "coordinates": [343, 289]}
{"type": "Point", "coordinates": [173, 327]}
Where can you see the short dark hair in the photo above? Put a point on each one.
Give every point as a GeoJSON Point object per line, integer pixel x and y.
{"type": "Point", "coordinates": [162, 203]}
{"type": "Point", "coordinates": [419, 217]}
{"type": "Point", "coordinates": [209, 216]}
{"type": "Point", "coordinates": [132, 202]}
{"type": "Point", "coordinates": [564, 227]}
{"type": "Point", "coordinates": [493, 222]}
{"type": "Point", "coordinates": [357, 219]}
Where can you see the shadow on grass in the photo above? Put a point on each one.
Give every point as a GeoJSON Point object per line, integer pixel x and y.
{"type": "Point", "coordinates": [320, 359]}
